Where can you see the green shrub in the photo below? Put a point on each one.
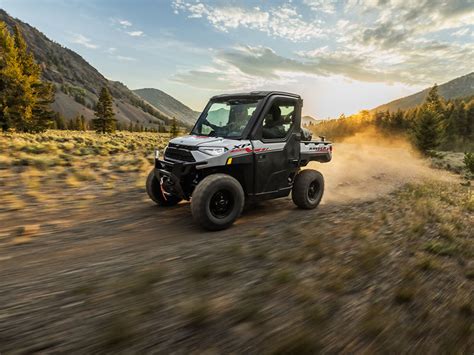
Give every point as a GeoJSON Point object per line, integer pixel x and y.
{"type": "Point", "coordinates": [469, 162]}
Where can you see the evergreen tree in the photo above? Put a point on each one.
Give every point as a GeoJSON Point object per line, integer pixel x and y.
{"type": "Point", "coordinates": [428, 126]}
{"type": "Point", "coordinates": [427, 129]}
{"type": "Point", "coordinates": [10, 80]}
{"type": "Point", "coordinates": [174, 129]}
{"type": "Point", "coordinates": [77, 123]}
{"type": "Point", "coordinates": [468, 126]}
{"type": "Point", "coordinates": [24, 98]}
{"type": "Point", "coordinates": [83, 126]}
{"type": "Point", "coordinates": [42, 113]}
{"type": "Point", "coordinates": [161, 129]}
{"type": "Point", "coordinates": [59, 121]}
{"type": "Point", "coordinates": [434, 101]}
{"type": "Point", "coordinates": [398, 120]}
{"type": "Point", "coordinates": [104, 121]}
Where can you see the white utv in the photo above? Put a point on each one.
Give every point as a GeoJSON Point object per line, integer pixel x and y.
{"type": "Point", "coordinates": [243, 147]}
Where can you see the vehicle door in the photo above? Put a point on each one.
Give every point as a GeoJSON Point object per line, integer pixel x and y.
{"type": "Point", "coordinates": [276, 145]}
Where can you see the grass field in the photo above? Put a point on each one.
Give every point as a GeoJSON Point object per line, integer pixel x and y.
{"type": "Point", "coordinates": [48, 168]}
{"type": "Point", "coordinates": [90, 264]}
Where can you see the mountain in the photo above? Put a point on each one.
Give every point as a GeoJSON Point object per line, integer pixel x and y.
{"type": "Point", "coordinates": [309, 121]}
{"type": "Point", "coordinates": [456, 88]}
{"type": "Point", "coordinates": [78, 83]}
{"type": "Point", "coordinates": [168, 105]}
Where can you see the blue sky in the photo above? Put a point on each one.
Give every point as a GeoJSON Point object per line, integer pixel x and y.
{"type": "Point", "coordinates": [341, 56]}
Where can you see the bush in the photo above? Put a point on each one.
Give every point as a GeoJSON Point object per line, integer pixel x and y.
{"type": "Point", "coordinates": [469, 162]}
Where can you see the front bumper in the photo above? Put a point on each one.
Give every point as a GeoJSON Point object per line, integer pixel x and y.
{"type": "Point", "coordinates": [171, 174]}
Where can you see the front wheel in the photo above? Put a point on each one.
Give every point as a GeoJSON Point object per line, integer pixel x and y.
{"type": "Point", "coordinates": [217, 201]}
{"type": "Point", "coordinates": [153, 188]}
{"type": "Point", "coordinates": [308, 189]}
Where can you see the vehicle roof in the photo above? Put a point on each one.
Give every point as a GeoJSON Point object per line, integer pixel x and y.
{"type": "Point", "coordinates": [260, 94]}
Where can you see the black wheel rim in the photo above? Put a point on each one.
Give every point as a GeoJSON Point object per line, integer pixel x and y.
{"type": "Point", "coordinates": [313, 190]}
{"type": "Point", "coordinates": [221, 204]}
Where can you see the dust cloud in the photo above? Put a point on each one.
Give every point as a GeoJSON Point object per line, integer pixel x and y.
{"type": "Point", "coordinates": [366, 166]}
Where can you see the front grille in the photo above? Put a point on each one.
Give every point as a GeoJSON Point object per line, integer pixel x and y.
{"type": "Point", "coordinates": [178, 154]}
{"type": "Point", "coordinates": [182, 146]}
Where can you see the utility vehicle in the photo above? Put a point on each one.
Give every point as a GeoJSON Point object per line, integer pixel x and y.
{"type": "Point", "coordinates": [243, 148]}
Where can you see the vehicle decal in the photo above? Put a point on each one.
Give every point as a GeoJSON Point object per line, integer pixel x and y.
{"type": "Point", "coordinates": [320, 149]}
{"type": "Point", "coordinates": [248, 150]}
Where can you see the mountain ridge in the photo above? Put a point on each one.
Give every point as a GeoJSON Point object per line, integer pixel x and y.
{"type": "Point", "coordinates": [78, 83]}
{"type": "Point", "coordinates": [459, 87]}
{"type": "Point", "coordinates": [168, 104]}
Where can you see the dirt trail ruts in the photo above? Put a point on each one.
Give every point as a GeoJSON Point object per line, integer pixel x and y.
{"type": "Point", "coordinates": [130, 221]}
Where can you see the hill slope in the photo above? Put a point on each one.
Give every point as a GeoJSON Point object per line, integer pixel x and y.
{"type": "Point", "coordinates": [456, 88]}
{"type": "Point", "coordinates": [168, 104]}
{"type": "Point", "coordinates": [308, 120]}
{"type": "Point", "coordinates": [78, 83]}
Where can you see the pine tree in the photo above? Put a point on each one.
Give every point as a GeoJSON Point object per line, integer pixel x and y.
{"type": "Point", "coordinates": [427, 129]}
{"type": "Point", "coordinates": [104, 121]}
{"type": "Point", "coordinates": [24, 98]}
{"type": "Point", "coordinates": [469, 120]}
{"type": "Point", "coordinates": [429, 122]}
{"type": "Point", "coordinates": [77, 123]}
{"type": "Point", "coordinates": [59, 121]}
{"type": "Point", "coordinates": [174, 129]}
{"type": "Point", "coordinates": [83, 126]}
{"type": "Point", "coordinates": [434, 101]}
{"type": "Point", "coordinates": [42, 113]}
{"type": "Point", "coordinates": [10, 80]}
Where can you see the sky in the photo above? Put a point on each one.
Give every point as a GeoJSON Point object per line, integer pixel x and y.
{"type": "Point", "coordinates": [340, 56]}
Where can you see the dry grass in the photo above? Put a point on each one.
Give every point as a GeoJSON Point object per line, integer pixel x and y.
{"type": "Point", "coordinates": [54, 164]}
{"type": "Point", "coordinates": [392, 274]}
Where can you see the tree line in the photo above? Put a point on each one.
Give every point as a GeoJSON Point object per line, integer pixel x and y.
{"type": "Point", "coordinates": [435, 124]}
{"type": "Point", "coordinates": [80, 123]}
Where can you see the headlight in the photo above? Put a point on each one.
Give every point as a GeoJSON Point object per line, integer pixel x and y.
{"type": "Point", "coordinates": [214, 151]}
{"type": "Point", "coordinates": [157, 154]}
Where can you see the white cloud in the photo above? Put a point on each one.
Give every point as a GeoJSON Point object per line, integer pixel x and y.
{"type": "Point", "coordinates": [125, 59]}
{"type": "Point", "coordinates": [282, 21]}
{"type": "Point", "coordinates": [423, 63]}
{"type": "Point", "coordinates": [83, 41]}
{"type": "Point", "coordinates": [135, 33]}
{"type": "Point", "coordinates": [395, 42]}
{"type": "Point", "coordinates": [327, 6]}
{"type": "Point", "coordinates": [125, 23]}
{"type": "Point", "coordinates": [461, 32]}
{"type": "Point", "coordinates": [111, 50]}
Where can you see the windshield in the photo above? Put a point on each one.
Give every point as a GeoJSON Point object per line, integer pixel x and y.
{"type": "Point", "coordinates": [225, 119]}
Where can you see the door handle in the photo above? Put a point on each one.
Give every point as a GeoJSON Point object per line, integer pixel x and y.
{"type": "Point", "coordinates": [261, 156]}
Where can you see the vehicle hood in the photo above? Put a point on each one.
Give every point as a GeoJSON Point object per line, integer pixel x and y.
{"type": "Point", "coordinates": [194, 141]}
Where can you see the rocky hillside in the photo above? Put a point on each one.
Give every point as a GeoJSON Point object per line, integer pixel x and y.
{"type": "Point", "coordinates": [456, 88]}
{"type": "Point", "coordinates": [168, 104]}
{"type": "Point", "coordinates": [78, 83]}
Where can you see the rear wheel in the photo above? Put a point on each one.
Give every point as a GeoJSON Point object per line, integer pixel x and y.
{"type": "Point", "coordinates": [308, 189]}
{"type": "Point", "coordinates": [217, 201]}
{"type": "Point", "coordinates": [153, 188]}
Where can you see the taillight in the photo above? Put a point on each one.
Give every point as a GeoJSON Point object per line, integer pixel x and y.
{"type": "Point", "coordinates": [330, 148]}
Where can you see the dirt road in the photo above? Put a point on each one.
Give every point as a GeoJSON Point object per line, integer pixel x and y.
{"type": "Point", "coordinates": [119, 273]}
